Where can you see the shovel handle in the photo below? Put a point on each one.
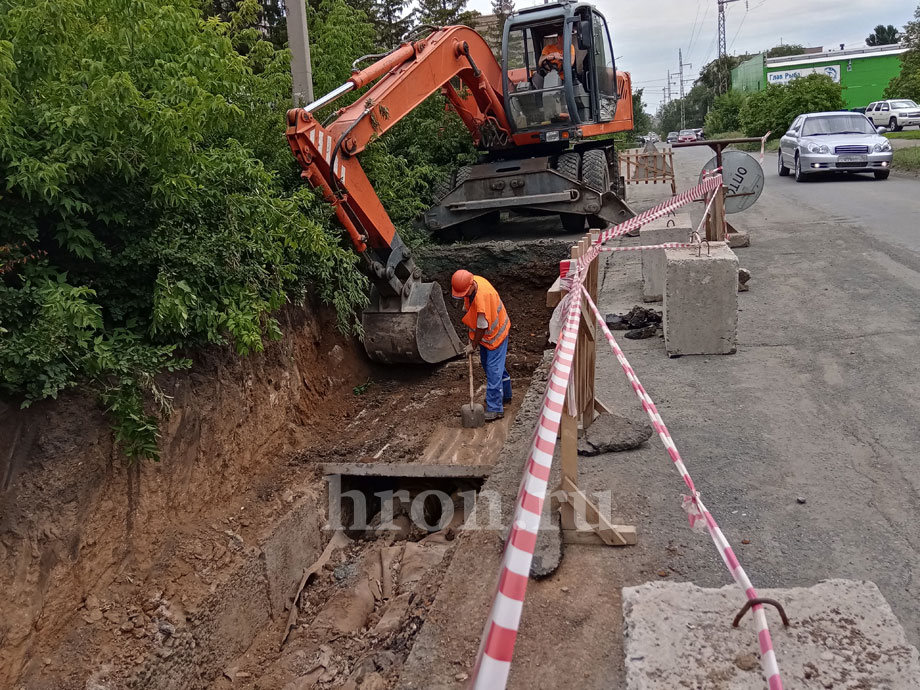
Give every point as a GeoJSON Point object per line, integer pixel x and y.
{"type": "Point", "coordinates": [469, 359]}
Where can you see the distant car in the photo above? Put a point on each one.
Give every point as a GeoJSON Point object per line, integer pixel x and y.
{"type": "Point", "coordinates": [672, 137]}
{"type": "Point", "coordinates": [834, 142]}
{"type": "Point", "coordinates": [652, 137]}
{"type": "Point", "coordinates": [687, 135]}
{"type": "Point", "coordinates": [699, 133]}
{"type": "Point", "coordinates": [895, 114]}
{"type": "Point", "coordinates": [859, 110]}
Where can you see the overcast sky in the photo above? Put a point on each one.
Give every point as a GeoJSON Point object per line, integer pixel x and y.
{"type": "Point", "coordinates": [648, 33]}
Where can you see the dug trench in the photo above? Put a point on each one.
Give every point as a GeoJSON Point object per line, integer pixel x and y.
{"type": "Point", "coordinates": [181, 574]}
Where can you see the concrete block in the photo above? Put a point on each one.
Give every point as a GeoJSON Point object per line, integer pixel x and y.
{"type": "Point", "coordinates": [843, 635]}
{"type": "Point", "coordinates": [653, 261]}
{"type": "Point", "coordinates": [701, 301]}
{"type": "Point", "coordinates": [739, 239]}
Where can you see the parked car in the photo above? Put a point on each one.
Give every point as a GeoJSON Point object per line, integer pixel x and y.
{"type": "Point", "coordinates": [687, 135]}
{"type": "Point", "coordinates": [652, 137]}
{"type": "Point", "coordinates": [859, 110]}
{"type": "Point", "coordinates": [836, 142]}
{"type": "Point", "coordinates": [894, 114]}
{"type": "Point", "coordinates": [672, 137]}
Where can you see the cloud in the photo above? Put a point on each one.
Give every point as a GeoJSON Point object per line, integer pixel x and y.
{"type": "Point", "coordinates": [647, 34]}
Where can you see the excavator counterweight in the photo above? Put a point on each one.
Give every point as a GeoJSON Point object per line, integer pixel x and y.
{"type": "Point", "coordinates": [533, 116]}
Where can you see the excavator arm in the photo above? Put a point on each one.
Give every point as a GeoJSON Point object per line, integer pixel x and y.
{"type": "Point", "coordinates": [406, 320]}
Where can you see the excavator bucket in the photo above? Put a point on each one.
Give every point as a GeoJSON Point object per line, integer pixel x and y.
{"type": "Point", "coordinates": [413, 330]}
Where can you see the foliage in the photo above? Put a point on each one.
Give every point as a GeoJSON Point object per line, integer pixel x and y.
{"type": "Point", "coordinates": [715, 76]}
{"type": "Point", "coordinates": [391, 21]}
{"type": "Point", "coordinates": [774, 108]}
{"type": "Point", "coordinates": [725, 114]}
{"type": "Point", "coordinates": [143, 165]}
{"type": "Point", "coordinates": [696, 103]}
{"type": "Point", "coordinates": [907, 83]}
{"type": "Point", "coordinates": [883, 36]}
{"type": "Point", "coordinates": [441, 12]}
{"type": "Point", "coordinates": [642, 121]}
{"type": "Point", "coordinates": [785, 50]}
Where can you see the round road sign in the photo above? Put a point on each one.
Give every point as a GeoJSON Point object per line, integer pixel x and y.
{"type": "Point", "coordinates": [743, 179]}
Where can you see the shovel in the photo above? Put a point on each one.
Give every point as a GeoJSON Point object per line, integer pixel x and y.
{"type": "Point", "coordinates": [472, 415]}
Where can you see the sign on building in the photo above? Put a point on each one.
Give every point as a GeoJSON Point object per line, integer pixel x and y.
{"type": "Point", "coordinates": [786, 76]}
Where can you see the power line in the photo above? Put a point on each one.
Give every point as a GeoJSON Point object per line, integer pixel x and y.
{"type": "Point", "coordinates": [699, 4]}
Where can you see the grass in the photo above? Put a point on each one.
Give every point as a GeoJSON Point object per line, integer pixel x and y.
{"type": "Point", "coordinates": [907, 159]}
{"type": "Point", "coordinates": [912, 134]}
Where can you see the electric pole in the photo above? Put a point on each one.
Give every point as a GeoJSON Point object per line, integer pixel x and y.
{"type": "Point", "coordinates": [667, 89]}
{"type": "Point", "coordinates": [299, 43]}
{"type": "Point", "coordinates": [723, 48]}
{"type": "Point", "coordinates": [683, 116]}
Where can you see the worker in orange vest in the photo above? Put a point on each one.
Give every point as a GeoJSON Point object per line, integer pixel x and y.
{"type": "Point", "coordinates": [551, 58]}
{"type": "Point", "coordinates": [489, 325]}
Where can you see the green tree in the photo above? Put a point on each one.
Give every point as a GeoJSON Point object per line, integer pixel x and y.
{"type": "Point", "coordinates": [774, 108]}
{"type": "Point", "coordinates": [391, 21]}
{"type": "Point", "coordinates": [642, 121]}
{"type": "Point", "coordinates": [441, 12]}
{"type": "Point", "coordinates": [785, 50]}
{"type": "Point", "coordinates": [149, 203]}
{"type": "Point", "coordinates": [725, 113]}
{"type": "Point", "coordinates": [883, 36]}
{"type": "Point", "coordinates": [907, 83]}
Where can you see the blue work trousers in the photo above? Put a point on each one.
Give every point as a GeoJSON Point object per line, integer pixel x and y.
{"type": "Point", "coordinates": [498, 381]}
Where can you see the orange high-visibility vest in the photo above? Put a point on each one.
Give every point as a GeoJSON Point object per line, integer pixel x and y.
{"type": "Point", "coordinates": [552, 55]}
{"type": "Point", "coordinates": [489, 303]}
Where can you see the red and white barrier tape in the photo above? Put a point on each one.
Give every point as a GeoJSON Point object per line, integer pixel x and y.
{"type": "Point", "coordinates": [493, 662]}
{"type": "Point", "coordinates": [696, 510]}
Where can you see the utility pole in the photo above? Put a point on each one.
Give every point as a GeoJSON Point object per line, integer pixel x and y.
{"type": "Point", "coordinates": [667, 89]}
{"type": "Point", "coordinates": [723, 48]}
{"type": "Point", "coordinates": [299, 43]}
{"type": "Point", "coordinates": [683, 115]}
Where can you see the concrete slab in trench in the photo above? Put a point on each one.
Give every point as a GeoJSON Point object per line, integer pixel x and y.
{"type": "Point", "coordinates": [843, 635]}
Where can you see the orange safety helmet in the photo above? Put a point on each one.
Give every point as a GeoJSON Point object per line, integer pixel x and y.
{"type": "Point", "coordinates": [461, 283]}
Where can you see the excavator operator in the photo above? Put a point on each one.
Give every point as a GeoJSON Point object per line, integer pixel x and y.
{"type": "Point", "coordinates": [489, 325]}
{"type": "Point", "coordinates": [551, 58]}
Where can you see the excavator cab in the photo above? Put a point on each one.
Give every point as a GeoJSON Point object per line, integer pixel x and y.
{"type": "Point", "coordinates": [558, 69]}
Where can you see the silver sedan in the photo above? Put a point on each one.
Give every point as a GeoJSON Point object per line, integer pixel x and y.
{"type": "Point", "coordinates": [834, 142]}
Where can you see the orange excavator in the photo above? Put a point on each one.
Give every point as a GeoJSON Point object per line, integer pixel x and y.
{"type": "Point", "coordinates": [536, 118]}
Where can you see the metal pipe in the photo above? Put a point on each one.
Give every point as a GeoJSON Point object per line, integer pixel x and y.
{"type": "Point", "coordinates": [331, 96]}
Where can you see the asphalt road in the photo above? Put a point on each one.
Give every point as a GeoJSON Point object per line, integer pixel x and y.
{"type": "Point", "coordinates": [820, 403]}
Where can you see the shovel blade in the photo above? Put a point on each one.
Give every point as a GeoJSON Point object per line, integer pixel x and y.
{"type": "Point", "coordinates": [472, 416]}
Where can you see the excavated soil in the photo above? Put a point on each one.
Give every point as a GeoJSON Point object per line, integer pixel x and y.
{"type": "Point", "coordinates": [113, 572]}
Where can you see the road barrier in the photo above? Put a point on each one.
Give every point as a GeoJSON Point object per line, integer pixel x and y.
{"type": "Point", "coordinates": [568, 401]}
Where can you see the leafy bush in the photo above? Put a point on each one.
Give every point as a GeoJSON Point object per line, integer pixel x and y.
{"type": "Point", "coordinates": [774, 108]}
{"type": "Point", "coordinates": [907, 83]}
{"type": "Point", "coordinates": [149, 201]}
{"type": "Point", "coordinates": [725, 114]}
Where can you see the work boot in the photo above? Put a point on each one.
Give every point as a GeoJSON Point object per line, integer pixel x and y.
{"type": "Point", "coordinates": [492, 416]}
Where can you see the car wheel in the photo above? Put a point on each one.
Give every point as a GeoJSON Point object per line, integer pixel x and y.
{"type": "Point", "coordinates": [893, 125]}
{"type": "Point", "coordinates": [882, 174]}
{"type": "Point", "coordinates": [799, 175]}
{"type": "Point", "coordinates": [781, 169]}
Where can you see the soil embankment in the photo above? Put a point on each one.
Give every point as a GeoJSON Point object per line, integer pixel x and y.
{"type": "Point", "coordinates": [177, 573]}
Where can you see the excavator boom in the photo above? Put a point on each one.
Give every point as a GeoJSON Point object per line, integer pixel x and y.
{"type": "Point", "coordinates": [510, 111]}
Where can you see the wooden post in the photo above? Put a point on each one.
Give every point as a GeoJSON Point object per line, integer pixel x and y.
{"type": "Point", "coordinates": [582, 522]}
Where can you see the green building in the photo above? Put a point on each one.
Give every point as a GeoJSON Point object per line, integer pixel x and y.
{"type": "Point", "coordinates": [863, 73]}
